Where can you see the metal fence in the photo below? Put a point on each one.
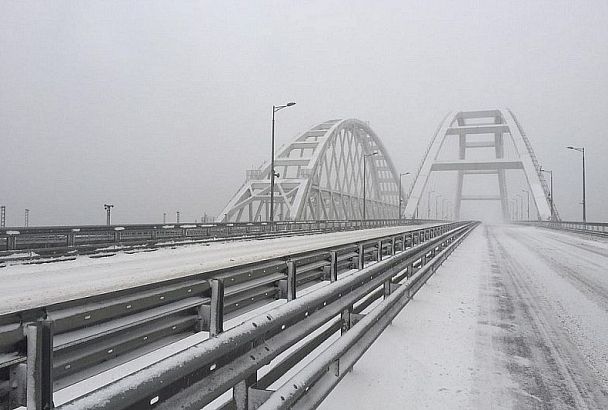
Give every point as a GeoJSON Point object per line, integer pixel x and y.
{"type": "Point", "coordinates": [59, 344]}
{"type": "Point", "coordinates": [595, 228]}
{"type": "Point", "coordinates": [59, 240]}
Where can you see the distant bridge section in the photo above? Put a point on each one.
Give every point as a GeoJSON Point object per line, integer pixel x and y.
{"type": "Point", "coordinates": [477, 130]}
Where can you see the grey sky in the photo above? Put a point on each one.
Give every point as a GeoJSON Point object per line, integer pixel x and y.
{"type": "Point", "coordinates": [159, 106]}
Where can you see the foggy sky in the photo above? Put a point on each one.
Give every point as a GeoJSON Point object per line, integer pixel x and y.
{"type": "Point", "coordinates": [162, 106]}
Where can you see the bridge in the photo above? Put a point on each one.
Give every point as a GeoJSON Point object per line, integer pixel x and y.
{"type": "Point", "coordinates": [343, 295]}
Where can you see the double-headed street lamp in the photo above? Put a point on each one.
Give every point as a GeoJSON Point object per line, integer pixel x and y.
{"type": "Point", "coordinates": [275, 108]}
{"type": "Point", "coordinates": [400, 193]}
{"type": "Point", "coordinates": [365, 156]}
{"type": "Point", "coordinates": [582, 150]}
{"type": "Point", "coordinates": [551, 199]}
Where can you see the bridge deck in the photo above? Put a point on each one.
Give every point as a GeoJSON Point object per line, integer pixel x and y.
{"type": "Point", "coordinates": [516, 318]}
{"type": "Point", "coordinates": [28, 286]}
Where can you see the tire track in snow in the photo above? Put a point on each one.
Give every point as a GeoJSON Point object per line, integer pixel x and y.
{"type": "Point", "coordinates": [551, 373]}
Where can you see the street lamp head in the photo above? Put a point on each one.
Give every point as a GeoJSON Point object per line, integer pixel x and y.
{"type": "Point", "coordinates": [579, 149]}
{"type": "Point", "coordinates": [289, 104]}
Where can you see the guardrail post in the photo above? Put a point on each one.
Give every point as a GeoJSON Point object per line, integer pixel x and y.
{"type": "Point", "coordinates": [393, 246]}
{"type": "Point", "coordinates": [333, 267]}
{"type": "Point", "coordinates": [345, 320]}
{"type": "Point", "coordinates": [379, 251]}
{"type": "Point", "coordinates": [117, 236]}
{"type": "Point", "coordinates": [11, 243]}
{"type": "Point", "coordinates": [40, 365]}
{"type": "Point", "coordinates": [240, 392]}
{"type": "Point", "coordinates": [291, 280]}
{"type": "Point", "coordinates": [70, 239]}
{"type": "Point", "coordinates": [216, 311]}
{"type": "Point", "coordinates": [361, 257]}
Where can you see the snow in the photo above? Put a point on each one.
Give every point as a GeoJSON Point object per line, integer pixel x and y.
{"type": "Point", "coordinates": [29, 286]}
{"type": "Point", "coordinates": [517, 317]}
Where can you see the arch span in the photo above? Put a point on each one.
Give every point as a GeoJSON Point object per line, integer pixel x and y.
{"type": "Point", "coordinates": [494, 127]}
{"type": "Point", "coordinates": [321, 177]}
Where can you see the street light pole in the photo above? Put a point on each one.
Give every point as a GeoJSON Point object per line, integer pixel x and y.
{"type": "Point", "coordinates": [443, 208]}
{"type": "Point", "coordinates": [364, 173]}
{"type": "Point", "coordinates": [428, 204]}
{"type": "Point", "coordinates": [582, 150]}
{"type": "Point", "coordinates": [552, 207]}
{"type": "Point", "coordinates": [528, 206]}
{"type": "Point", "coordinates": [521, 206]}
{"type": "Point", "coordinates": [400, 193]}
{"type": "Point", "coordinates": [275, 108]}
{"type": "Point", "coordinates": [436, 212]}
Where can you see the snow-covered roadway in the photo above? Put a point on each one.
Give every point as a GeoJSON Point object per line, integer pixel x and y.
{"type": "Point", "coordinates": [517, 317]}
{"type": "Point", "coordinates": [28, 286]}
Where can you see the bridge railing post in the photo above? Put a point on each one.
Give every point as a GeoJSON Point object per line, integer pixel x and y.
{"type": "Point", "coordinates": [39, 377]}
{"type": "Point", "coordinates": [216, 311]}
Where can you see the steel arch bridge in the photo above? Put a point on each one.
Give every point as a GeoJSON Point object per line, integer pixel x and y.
{"type": "Point", "coordinates": [321, 177]}
{"type": "Point", "coordinates": [494, 126]}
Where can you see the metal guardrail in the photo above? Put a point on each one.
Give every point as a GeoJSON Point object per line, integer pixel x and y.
{"type": "Point", "coordinates": [86, 239]}
{"type": "Point", "coordinates": [82, 332]}
{"type": "Point", "coordinates": [594, 228]}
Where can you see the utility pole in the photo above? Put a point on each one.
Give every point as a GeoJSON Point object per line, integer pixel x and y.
{"type": "Point", "coordinates": [273, 173]}
{"type": "Point", "coordinates": [528, 206]}
{"type": "Point", "coordinates": [27, 218]}
{"type": "Point", "coordinates": [584, 203]}
{"type": "Point", "coordinates": [164, 217]}
{"type": "Point", "coordinates": [364, 172]}
{"type": "Point", "coordinates": [108, 208]}
{"type": "Point", "coordinates": [400, 194]}
{"type": "Point", "coordinates": [3, 216]}
{"type": "Point", "coordinates": [177, 217]}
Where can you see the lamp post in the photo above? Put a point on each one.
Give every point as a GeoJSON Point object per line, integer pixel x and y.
{"type": "Point", "coordinates": [400, 193]}
{"type": "Point", "coordinates": [436, 207]}
{"type": "Point", "coordinates": [528, 206]}
{"type": "Point", "coordinates": [443, 215]}
{"type": "Point", "coordinates": [364, 173]}
{"type": "Point", "coordinates": [108, 208]}
{"type": "Point", "coordinates": [521, 206]}
{"type": "Point", "coordinates": [551, 199]}
{"type": "Point", "coordinates": [514, 209]}
{"type": "Point", "coordinates": [428, 204]}
{"type": "Point", "coordinates": [582, 150]}
{"type": "Point", "coordinates": [275, 108]}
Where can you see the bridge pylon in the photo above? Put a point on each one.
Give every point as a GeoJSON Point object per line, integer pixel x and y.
{"type": "Point", "coordinates": [483, 129]}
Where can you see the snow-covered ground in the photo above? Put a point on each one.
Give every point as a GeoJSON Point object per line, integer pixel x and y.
{"type": "Point", "coordinates": [517, 317]}
{"type": "Point", "coordinates": [28, 286]}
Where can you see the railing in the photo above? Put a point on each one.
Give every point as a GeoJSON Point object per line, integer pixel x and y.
{"type": "Point", "coordinates": [595, 228]}
{"type": "Point", "coordinates": [69, 341]}
{"type": "Point", "coordinates": [35, 242]}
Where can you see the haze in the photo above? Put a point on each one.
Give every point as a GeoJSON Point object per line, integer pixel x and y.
{"type": "Point", "coordinates": [162, 106]}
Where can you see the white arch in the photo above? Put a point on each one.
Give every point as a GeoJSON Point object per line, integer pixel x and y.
{"type": "Point", "coordinates": [321, 178]}
{"type": "Point", "coordinates": [499, 122]}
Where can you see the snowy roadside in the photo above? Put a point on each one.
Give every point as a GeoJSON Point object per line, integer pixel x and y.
{"type": "Point", "coordinates": [516, 318]}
